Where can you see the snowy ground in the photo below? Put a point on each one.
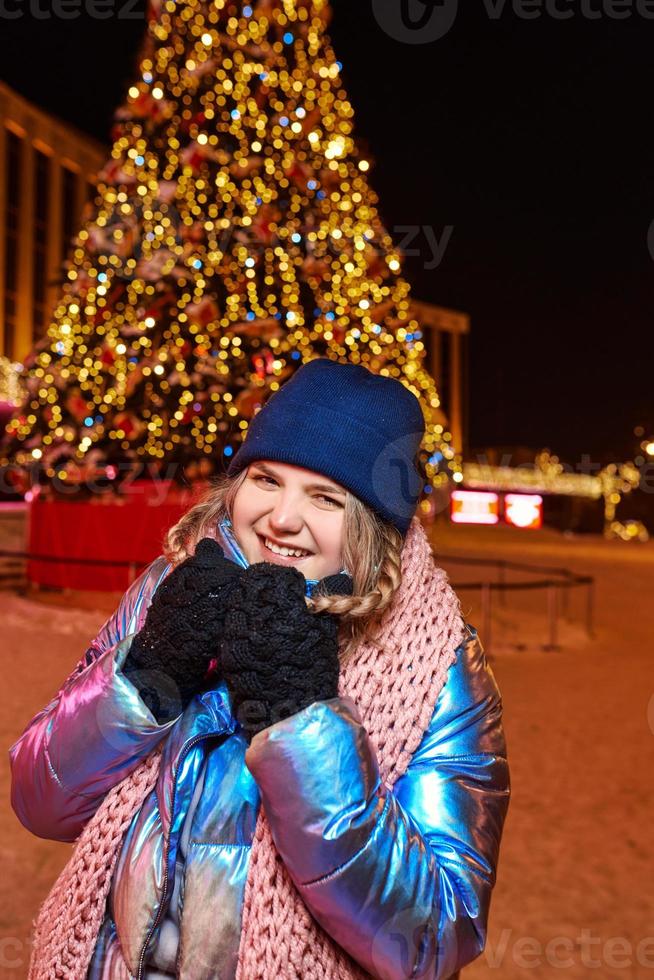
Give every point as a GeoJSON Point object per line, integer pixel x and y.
{"type": "Point", "coordinates": [575, 893]}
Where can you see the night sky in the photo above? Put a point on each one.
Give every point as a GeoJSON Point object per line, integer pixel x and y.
{"type": "Point", "coordinates": [533, 139]}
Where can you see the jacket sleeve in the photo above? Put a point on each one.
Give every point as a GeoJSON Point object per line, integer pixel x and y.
{"type": "Point", "coordinates": [92, 734]}
{"type": "Point", "coordinates": [400, 878]}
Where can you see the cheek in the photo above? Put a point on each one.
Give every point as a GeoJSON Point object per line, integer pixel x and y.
{"type": "Point", "coordinates": [245, 513]}
{"type": "Point", "coordinates": [330, 538]}
{"type": "Point", "coordinates": [244, 509]}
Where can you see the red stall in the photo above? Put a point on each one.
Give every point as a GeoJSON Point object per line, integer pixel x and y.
{"type": "Point", "coordinates": [103, 543]}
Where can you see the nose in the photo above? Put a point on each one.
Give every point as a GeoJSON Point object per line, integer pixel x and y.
{"type": "Point", "coordinates": [285, 517]}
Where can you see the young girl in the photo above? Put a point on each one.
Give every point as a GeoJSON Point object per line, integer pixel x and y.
{"type": "Point", "coordinates": [283, 754]}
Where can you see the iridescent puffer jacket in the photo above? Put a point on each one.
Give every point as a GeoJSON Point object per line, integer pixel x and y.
{"type": "Point", "coordinates": [432, 847]}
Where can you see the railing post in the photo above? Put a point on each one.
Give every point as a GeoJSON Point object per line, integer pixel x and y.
{"type": "Point", "coordinates": [552, 603]}
{"type": "Point", "coordinates": [502, 578]}
{"type": "Point", "coordinates": [565, 605]}
{"type": "Point", "coordinates": [486, 614]}
{"type": "Point", "coordinates": [590, 608]}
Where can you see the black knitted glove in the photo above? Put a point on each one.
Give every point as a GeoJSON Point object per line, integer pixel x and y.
{"type": "Point", "coordinates": [276, 656]}
{"type": "Point", "coordinates": [170, 656]}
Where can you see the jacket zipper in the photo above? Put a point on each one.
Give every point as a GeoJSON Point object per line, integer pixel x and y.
{"type": "Point", "coordinates": [162, 904]}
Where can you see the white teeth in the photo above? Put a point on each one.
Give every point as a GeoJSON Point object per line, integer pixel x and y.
{"type": "Point", "coordinates": [285, 552]}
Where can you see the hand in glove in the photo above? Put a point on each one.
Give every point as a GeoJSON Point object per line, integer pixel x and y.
{"type": "Point", "coordinates": [276, 656]}
{"type": "Point", "coordinates": [169, 657]}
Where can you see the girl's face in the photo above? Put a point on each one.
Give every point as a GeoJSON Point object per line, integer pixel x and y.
{"type": "Point", "coordinates": [290, 507]}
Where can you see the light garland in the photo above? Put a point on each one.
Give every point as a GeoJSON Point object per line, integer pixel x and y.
{"type": "Point", "coordinates": [548, 475]}
{"type": "Point", "coordinates": [11, 391]}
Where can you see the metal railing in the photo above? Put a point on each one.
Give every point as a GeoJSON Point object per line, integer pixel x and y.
{"type": "Point", "coordinates": [557, 585]}
{"type": "Point", "coordinates": [11, 560]}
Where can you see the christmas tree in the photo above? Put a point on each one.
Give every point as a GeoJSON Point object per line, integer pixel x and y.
{"type": "Point", "coordinates": [233, 237]}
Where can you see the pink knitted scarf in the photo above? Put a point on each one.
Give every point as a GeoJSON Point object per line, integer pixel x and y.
{"type": "Point", "coordinates": [395, 690]}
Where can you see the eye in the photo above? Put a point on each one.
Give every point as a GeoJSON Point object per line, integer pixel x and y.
{"type": "Point", "coordinates": [320, 496]}
{"type": "Point", "coordinates": [329, 500]}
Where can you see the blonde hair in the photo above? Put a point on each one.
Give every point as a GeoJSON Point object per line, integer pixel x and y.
{"type": "Point", "coordinates": [371, 554]}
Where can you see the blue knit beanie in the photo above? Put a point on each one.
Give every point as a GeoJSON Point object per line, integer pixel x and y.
{"type": "Point", "coordinates": [361, 429]}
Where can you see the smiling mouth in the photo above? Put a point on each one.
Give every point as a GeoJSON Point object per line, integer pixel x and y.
{"type": "Point", "coordinates": [276, 556]}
